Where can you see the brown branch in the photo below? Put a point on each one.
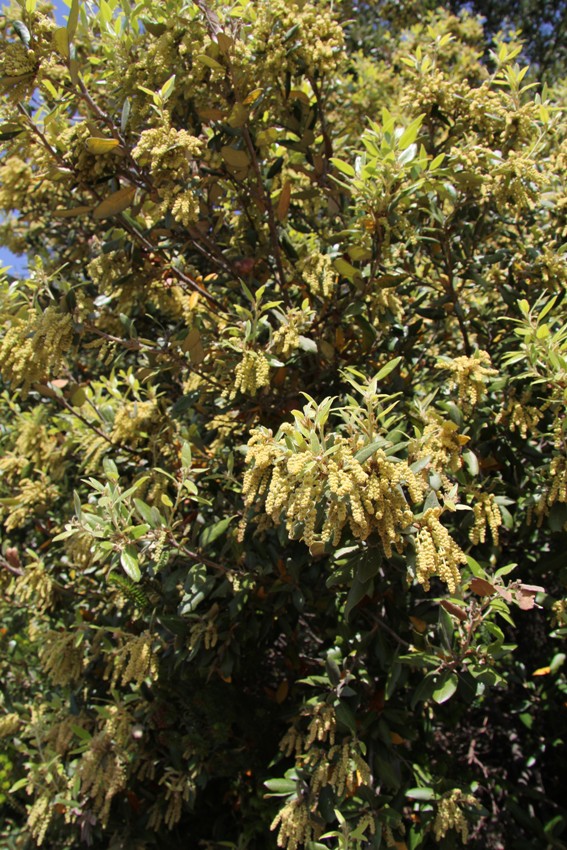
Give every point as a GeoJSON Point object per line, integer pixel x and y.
{"type": "Point", "coordinates": [382, 625]}
{"type": "Point", "coordinates": [175, 272]}
{"type": "Point", "coordinates": [16, 571]}
{"type": "Point", "coordinates": [454, 295]}
{"type": "Point", "coordinates": [195, 556]}
{"type": "Point", "coordinates": [324, 126]}
{"type": "Point", "coordinates": [100, 114]}
{"type": "Point", "coordinates": [213, 23]}
{"type": "Point", "coordinates": [269, 209]}
{"type": "Point", "coordinates": [64, 403]}
{"type": "Point", "coordinates": [35, 129]}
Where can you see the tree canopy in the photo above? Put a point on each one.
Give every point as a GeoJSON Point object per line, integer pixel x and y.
{"type": "Point", "coordinates": [283, 479]}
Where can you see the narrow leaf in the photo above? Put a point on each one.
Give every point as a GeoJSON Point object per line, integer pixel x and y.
{"type": "Point", "coordinates": [284, 201]}
{"type": "Point", "coordinates": [61, 41]}
{"type": "Point", "coordinates": [129, 561]}
{"type": "Point", "coordinates": [115, 203]}
{"type": "Point", "coordinates": [97, 145]}
{"type": "Point", "coordinates": [73, 20]}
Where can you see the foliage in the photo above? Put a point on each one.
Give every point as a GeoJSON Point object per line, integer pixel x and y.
{"type": "Point", "coordinates": [283, 480]}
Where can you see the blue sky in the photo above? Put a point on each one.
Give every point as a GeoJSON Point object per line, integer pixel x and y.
{"type": "Point", "coordinates": [18, 264]}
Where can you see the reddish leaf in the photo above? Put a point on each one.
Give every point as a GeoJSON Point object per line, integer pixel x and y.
{"type": "Point", "coordinates": [482, 587]}
{"type": "Point", "coordinates": [453, 609]}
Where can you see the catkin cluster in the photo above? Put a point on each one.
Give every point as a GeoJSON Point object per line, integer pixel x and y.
{"type": "Point", "coordinates": [317, 39]}
{"type": "Point", "coordinates": [61, 658]}
{"type": "Point", "coordinates": [169, 155]}
{"type": "Point", "coordinates": [296, 827]}
{"type": "Point", "coordinates": [342, 767]}
{"type": "Point", "coordinates": [35, 586]}
{"type": "Point", "coordinates": [319, 274]}
{"type": "Point", "coordinates": [286, 339]}
{"type": "Point", "coordinates": [9, 725]}
{"type": "Point", "coordinates": [486, 513]}
{"type": "Point", "coordinates": [102, 773]}
{"type": "Point", "coordinates": [133, 420]}
{"type": "Point", "coordinates": [204, 631]}
{"type": "Point", "coordinates": [317, 495]}
{"type": "Point", "coordinates": [134, 661]}
{"type": "Point", "coordinates": [437, 552]}
{"type": "Point", "coordinates": [323, 724]}
{"type": "Point", "coordinates": [179, 789]}
{"type": "Point", "coordinates": [32, 499]}
{"type": "Point", "coordinates": [32, 348]}
{"type": "Point", "coordinates": [167, 152]}
{"type": "Point", "coordinates": [441, 442]}
{"type": "Point", "coordinates": [39, 818]}
{"type": "Point", "coordinates": [520, 416]}
{"type": "Point", "coordinates": [470, 376]}
{"type": "Point", "coordinates": [252, 373]}
{"type": "Point", "coordinates": [556, 489]}
{"type": "Point", "coordinates": [450, 815]}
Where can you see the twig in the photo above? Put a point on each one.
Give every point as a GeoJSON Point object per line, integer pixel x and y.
{"type": "Point", "coordinates": [269, 208]}
{"type": "Point", "coordinates": [324, 127]}
{"type": "Point", "coordinates": [380, 622]}
{"type": "Point", "coordinates": [64, 403]}
{"type": "Point", "coordinates": [195, 556]}
{"type": "Point", "coordinates": [213, 23]}
{"type": "Point", "coordinates": [16, 571]}
{"type": "Point", "coordinates": [35, 129]}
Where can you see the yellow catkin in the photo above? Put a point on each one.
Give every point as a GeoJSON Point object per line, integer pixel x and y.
{"type": "Point", "coordinates": [317, 496]}
{"type": "Point", "coordinates": [252, 373]}
{"type": "Point", "coordinates": [437, 553]}
{"type": "Point", "coordinates": [134, 661]}
{"type": "Point", "coordinates": [39, 818]}
{"type": "Point", "coordinates": [450, 815]}
{"type": "Point", "coordinates": [319, 274]}
{"type": "Point", "coordinates": [486, 514]}
{"type": "Point", "coordinates": [60, 658]}
{"type": "Point", "coordinates": [9, 725]}
{"type": "Point", "coordinates": [470, 376]}
{"type": "Point", "coordinates": [295, 825]}
{"type": "Point", "coordinates": [32, 349]}
{"type": "Point", "coordinates": [102, 773]}
{"type": "Point", "coordinates": [35, 586]}
{"type": "Point", "coordinates": [323, 724]}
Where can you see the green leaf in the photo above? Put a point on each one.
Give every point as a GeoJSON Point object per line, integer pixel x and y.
{"type": "Point", "coordinates": [73, 20]}
{"type": "Point", "coordinates": [10, 131]}
{"type": "Point", "coordinates": [425, 689]}
{"type": "Point", "coordinates": [210, 62]}
{"type": "Point", "coordinates": [343, 166]}
{"type": "Point", "coordinates": [345, 717]}
{"type": "Point", "coordinates": [98, 145]}
{"type": "Point", "coordinates": [23, 33]}
{"type": "Point", "coordinates": [235, 158]}
{"type": "Point", "coordinates": [357, 592]}
{"type": "Point", "coordinates": [81, 733]}
{"type": "Point", "coordinates": [410, 134]}
{"type": "Point", "coordinates": [420, 794]}
{"type": "Point", "coordinates": [129, 561]}
{"type": "Point", "coordinates": [345, 269]}
{"type": "Point", "coordinates": [186, 457]}
{"type": "Point", "coordinates": [387, 369]}
{"type": "Point", "coordinates": [167, 89]}
{"type": "Point", "coordinates": [280, 787]}
{"type": "Point", "coordinates": [212, 532]}
{"type": "Point", "coordinates": [115, 203]}
{"type": "Point", "coordinates": [367, 451]}
{"type": "Point", "coordinates": [125, 114]}
{"type": "Point", "coordinates": [445, 688]}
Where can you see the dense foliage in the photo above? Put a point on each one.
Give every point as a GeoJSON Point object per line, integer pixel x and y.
{"type": "Point", "coordinates": [283, 480]}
